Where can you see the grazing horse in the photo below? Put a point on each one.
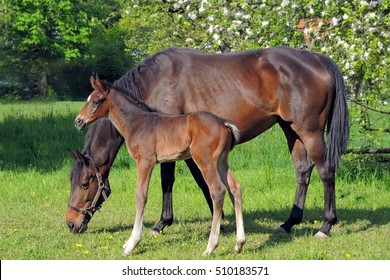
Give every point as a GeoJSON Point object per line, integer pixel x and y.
{"type": "Point", "coordinates": [301, 91]}
{"type": "Point", "coordinates": [152, 137]}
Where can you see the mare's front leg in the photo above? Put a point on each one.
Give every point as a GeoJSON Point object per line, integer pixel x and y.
{"type": "Point", "coordinates": [144, 170]}
{"type": "Point", "coordinates": [167, 171]}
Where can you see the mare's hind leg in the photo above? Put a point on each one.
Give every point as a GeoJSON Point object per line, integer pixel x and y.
{"type": "Point", "coordinates": [316, 148]}
{"type": "Point", "coordinates": [167, 171]}
{"type": "Point", "coordinates": [303, 169]}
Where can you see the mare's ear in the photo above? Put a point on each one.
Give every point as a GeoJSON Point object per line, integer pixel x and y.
{"type": "Point", "coordinates": [83, 158]}
{"type": "Point", "coordinates": [72, 154]}
{"type": "Point", "coordinates": [77, 155]}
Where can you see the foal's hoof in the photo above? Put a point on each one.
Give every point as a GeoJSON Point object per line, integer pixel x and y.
{"type": "Point", "coordinates": [281, 231]}
{"type": "Point", "coordinates": [238, 248]}
{"type": "Point", "coordinates": [321, 235]}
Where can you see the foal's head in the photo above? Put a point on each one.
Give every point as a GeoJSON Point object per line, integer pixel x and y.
{"type": "Point", "coordinates": [96, 106]}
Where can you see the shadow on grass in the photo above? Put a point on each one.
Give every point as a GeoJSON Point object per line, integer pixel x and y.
{"type": "Point", "coordinates": [266, 222]}
{"type": "Point", "coordinates": [351, 221]}
{"type": "Point", "coordinates": [39, 143]}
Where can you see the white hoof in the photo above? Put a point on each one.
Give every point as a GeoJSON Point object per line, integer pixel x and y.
{"type": "Point", "coordinates": [321, 235]}
{"type": "Point", "coordinates": [238, 248]}
{"type": "Point", "coordinates": [280, 231]}
{"type": "Point", "coordinates": [155, 234]}
{"type": "Point", "coordinates": [206, 253]}
{"type": "Point", "coordinates": [127, 249]}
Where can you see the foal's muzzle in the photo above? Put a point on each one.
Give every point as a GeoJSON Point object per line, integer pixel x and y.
{"type": "Point", "coordinates": [79, 123]}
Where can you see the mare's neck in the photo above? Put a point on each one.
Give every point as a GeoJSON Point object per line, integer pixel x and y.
{"type": "Point", "coordinates": [102, 144]}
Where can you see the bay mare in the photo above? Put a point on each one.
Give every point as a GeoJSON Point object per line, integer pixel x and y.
{"type": "Point", "coordinates": [301, 91]}
{"type": "Point", "coordinates": [152, 137]}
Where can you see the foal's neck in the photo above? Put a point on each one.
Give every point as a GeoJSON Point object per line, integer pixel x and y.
{"type": "Point", "coordinates": [126, 115]}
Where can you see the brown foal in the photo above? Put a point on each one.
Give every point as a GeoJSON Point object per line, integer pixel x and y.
{"type": "Point", "coordinates": [152, 137]}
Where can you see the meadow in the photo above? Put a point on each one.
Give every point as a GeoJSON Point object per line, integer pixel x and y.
{"type": "Point", "coordinates": [34, 176]}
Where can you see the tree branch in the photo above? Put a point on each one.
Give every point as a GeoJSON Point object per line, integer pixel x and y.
{"type": "Point", "coordinates": [369, 151]}
{"type": "Point", "coordinates": [369, 108]}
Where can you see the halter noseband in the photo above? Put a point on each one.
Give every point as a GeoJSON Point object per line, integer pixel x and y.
{"type": "Point", "coordinates": [101, 191]}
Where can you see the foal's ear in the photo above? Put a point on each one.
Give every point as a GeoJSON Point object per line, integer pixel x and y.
{"type": "Point", "coordinates": [97, 84]}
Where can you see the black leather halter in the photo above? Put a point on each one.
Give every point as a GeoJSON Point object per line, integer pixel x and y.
{"type": "Point", "coordinates": [100, 192]}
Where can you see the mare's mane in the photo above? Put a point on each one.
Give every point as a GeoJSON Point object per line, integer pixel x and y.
{"type": "Point", "coordinates": [135, 79]}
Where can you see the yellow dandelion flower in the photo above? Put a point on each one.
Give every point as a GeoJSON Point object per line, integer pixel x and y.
{"type": "Point", "coordinates": [79, 245]}
{"type": "Point", "coordinates": [111, 237]}
{"type": "Point", "coordinates": [104, 247]}
{"type": "Point", "coordinates": [86, 252]}
{"type": "Point", "coordinates": [347, 255]}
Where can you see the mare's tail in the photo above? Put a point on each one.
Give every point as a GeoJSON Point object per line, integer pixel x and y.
{"type": "Point", "coordinates": [338, 124]}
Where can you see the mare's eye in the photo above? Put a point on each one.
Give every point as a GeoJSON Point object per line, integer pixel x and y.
{"type": "Point", "coordinates": [84, 186]}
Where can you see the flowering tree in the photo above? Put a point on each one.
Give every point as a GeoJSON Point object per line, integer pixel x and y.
{"type": "Point", "coordinates": [355, 34]}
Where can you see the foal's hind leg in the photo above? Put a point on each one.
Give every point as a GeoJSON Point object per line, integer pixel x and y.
{"type": "Point", "coordinates": [217, 192]}
{"type": "Point", "coordinates": [235, 192]}
{"type": "Point", "coordinates": [303, 169]}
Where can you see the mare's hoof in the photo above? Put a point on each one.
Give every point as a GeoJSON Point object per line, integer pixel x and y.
{"type": "Point", "coordinates": [321, 235]}
{"type": "Point", "coordinates": [281, 231]}
{"type": "Point", "coordinates": [155, 233]}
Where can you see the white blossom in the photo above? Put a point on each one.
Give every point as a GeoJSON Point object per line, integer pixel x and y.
{"type": "Point", "coordinates": [285, 3]}
{"type": "Point", "coordinates": [192, 15]}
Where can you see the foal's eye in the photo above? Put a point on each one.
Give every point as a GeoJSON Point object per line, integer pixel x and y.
{"type": "Point", "coordinates": [84, 186]}
{"type": "Point", "coordinates": [96, 102]}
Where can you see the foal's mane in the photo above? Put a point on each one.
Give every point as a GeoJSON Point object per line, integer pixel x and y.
{"type": "Point", "coordinates": [130, 96]}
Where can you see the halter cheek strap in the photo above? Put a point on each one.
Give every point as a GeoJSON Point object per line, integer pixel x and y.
{"type": "Point", "coordinates": [101, 191]}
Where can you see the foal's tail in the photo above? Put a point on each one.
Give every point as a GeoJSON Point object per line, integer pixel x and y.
{"type": "Point", "coordinates": [338, 124]}
{"type": "Point", "coordinates": [235, 132]}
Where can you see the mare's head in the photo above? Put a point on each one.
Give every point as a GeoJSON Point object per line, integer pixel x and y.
{"type": "Point", "coordinates": [89, 189]}
{"type": "Point", "coordinates": [96, 106]}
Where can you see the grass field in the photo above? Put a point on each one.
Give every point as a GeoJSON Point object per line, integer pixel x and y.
{"type": "Point", "coordinates": [34, 176]}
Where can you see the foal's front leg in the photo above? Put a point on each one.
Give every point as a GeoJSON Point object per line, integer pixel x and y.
{"type": "Point", "coordinates": [144, 170]}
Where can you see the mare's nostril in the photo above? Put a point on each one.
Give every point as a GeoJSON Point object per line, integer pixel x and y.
{"type": "Point", "coordinates": [71, 225]}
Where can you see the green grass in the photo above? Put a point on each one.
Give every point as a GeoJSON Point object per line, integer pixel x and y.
{"type": "Point", "coordinates": [34, 176]}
